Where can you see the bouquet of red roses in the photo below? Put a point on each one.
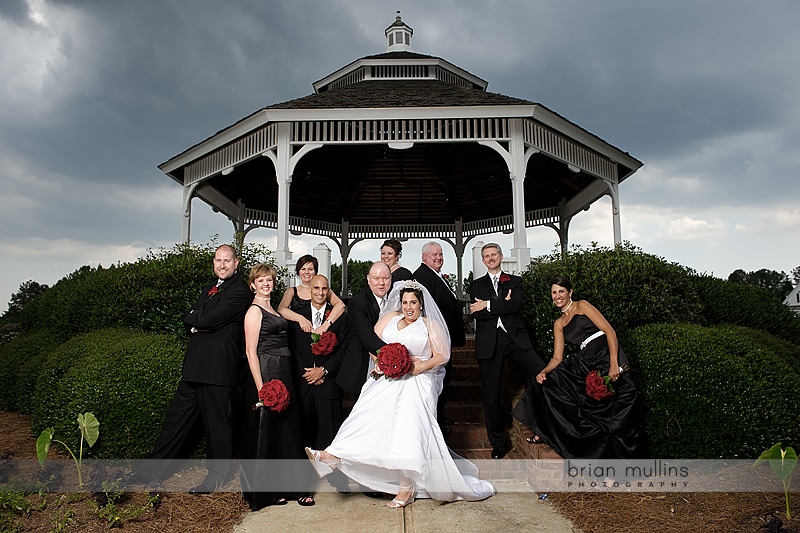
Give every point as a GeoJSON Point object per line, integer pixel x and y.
{"type": "Point", "coordinates": [324, 344]}
{"type": "Point", "coordinates": [599, 387]}
{"type": "Point", "coordinates": [273, 394]}
{"type": "Point", "coordinates": [393, 361]}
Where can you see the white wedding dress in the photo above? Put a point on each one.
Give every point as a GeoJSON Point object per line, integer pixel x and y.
{"type": "Point", "coordinates": [393, 428]}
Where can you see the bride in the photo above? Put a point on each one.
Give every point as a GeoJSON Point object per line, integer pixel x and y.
{"type": "Point", "coordinates": [391, 441]}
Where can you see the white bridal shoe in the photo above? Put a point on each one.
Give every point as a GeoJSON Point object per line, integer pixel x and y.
{"type": "Point", "coordinates": [322, 468]}
{"type": "Point", "coordinates": [399, 504]}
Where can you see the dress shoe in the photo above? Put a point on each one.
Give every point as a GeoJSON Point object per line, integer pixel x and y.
{"type": "Point", "coordinates": [499, 453]}
{"type": "Point", "coordinates": [322, 468]}
{"type": "Point", "coordinates": [260, 505]}
{"type": "Point", "coordinates": [399, 504]}
{"type": "Point", "coordinates": [201, 489]}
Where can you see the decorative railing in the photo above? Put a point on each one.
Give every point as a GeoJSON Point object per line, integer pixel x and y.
{"type": "Point", "coordinates": [249, 146]}
{"type": "Point", "coordinates": [372, 131]}
{"type": "Point", "coordinates": [568, 151]}
{"type": "Point", "coordinates": [539, 217]}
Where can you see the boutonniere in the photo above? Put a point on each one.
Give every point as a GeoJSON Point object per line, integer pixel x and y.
{"type": "Point", "coordinates": [327, 315]}
{"type": "Point", "coordinates": [445, 277]}
{"type": "Point", "coordinates": [504, 278]}
{"type": "Point", "coordinates": [213, 290]}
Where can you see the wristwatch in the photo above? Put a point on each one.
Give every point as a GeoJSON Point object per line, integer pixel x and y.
{"type": "Point", "coordinates": [324, 371]}
{"type": "Point", "coordinates": [329, 322]}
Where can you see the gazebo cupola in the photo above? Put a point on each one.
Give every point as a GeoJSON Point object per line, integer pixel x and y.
{"type": "Point", "coordinates": [398, 36]}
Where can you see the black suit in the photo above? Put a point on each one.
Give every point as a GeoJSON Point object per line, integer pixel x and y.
{"type": "Point", "coordinates": [362, 315]}
{"type": "Point", "coordinates": [493, 346]}
{"type": "Point", "coordinates": [210, 371]}
{"type": "Point", "coordinates": [451, 308]}
{"type": "Point", "coordinates": [320, 405]}
{"type": "Point", "coordinates": [453, 313]}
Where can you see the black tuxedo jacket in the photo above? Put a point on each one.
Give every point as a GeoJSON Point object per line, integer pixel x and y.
{"type": "Point", "coordinates": [362, 315]}
{"type": "Point", "coordinates": [506, 310]}
{"type": "Point", "coordinates": [215, 351]}
{"type": "Point", "coordinates": [303, 358]}
{"type": "Point", "coordinates": [451, 308]}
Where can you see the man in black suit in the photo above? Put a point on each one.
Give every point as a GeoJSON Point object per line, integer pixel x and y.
{"type": "Point", "coordinates": [362, 315]}
{"type": "Point", "coordinates": [499, 335]}
{"type": "Point", "coordinates": [210, 368]}
{"type": "Point", "coordinates": [320, 398]}
{"type": "Point", "coordinates": [430, 274]}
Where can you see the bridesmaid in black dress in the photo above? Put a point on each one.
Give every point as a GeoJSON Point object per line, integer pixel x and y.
{"type": "Point", "coordinates": [556, 406]}
{"type": "Point", "coordinates": [269, 434]}
{"type": "Point", "coordinates": [298, 298]}
{"type": "Point", "coordinates": [391, 251]}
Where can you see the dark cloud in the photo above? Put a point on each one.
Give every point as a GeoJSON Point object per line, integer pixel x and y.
{"type": "Point", "coordinates": [16, 11]}
{"type": "Point", "coordinates": [99, 93]}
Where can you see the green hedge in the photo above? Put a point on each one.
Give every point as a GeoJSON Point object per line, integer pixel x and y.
{"type": "Point", "coordinates": [151, 294]}
{"type": "Point", "coordinates": [746, 305]}
{"type": "Point", "coordinates": [20, 361]}
{"type": "Point", "coordinates": [125, 378]}
{"type": "Point", "coordinates": [631, 288]}
{"type": "Point", "coordinates": [719, 392]}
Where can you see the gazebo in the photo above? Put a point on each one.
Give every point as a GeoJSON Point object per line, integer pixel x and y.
{"type": "Point", "coordinates": [402, 145]}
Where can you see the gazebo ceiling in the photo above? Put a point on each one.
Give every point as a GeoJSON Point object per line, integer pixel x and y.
{"type": "Point", "coordinates": [375, 184]}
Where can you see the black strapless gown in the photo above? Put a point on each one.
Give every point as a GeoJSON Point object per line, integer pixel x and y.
{"type": "Point", "coordinates": [271, 435]}
{"type": "Point", "coordinates": [576, 426]}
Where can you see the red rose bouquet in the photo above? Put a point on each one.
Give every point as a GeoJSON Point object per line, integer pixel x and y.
{"type": "Point", "coordinates": [599, 387]}
{"type": "Point", "coordinates": [393, 361]}
{"type": "Point", "coordinates": [324, 344]}
{"type": "Point", "coordinates": [273, 394]}
{"type": "Point", "coordinates": [504, 278]}
{"type": "Point", "coordinates": [213, 290]}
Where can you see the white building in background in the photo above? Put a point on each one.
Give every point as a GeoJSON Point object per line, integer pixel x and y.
{"type": "Point", "coordinates": [793, 300]}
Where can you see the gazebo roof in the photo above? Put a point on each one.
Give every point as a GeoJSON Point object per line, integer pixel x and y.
{"type": "Point", "coordinates": [396, 140]}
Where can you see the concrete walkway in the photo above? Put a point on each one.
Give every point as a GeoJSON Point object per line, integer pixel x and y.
{"type": "Point", "coordinates": [511, 509]}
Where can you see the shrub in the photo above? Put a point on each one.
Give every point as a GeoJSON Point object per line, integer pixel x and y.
{"type": "Point", "coordinates": [125, 378]}
{"type": "Point", "coordinates": [151, 294]}
{"type": "Point", "coordinates": [628, 286]}
{"type": "Point", "coordinates": [716, 392]}
{"type": "Point", "coordinates": [356, 276]}
{"type": "Point", "coordinates": [20, 360]}
{"type": "Point", "coordinates": [746, 305]}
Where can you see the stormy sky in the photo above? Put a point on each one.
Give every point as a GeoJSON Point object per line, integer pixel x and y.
{"type": "Point", "coordinates": [96, 93]}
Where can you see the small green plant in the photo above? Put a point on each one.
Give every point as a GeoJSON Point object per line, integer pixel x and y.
{"type": "Point", "coordinates": [107, 505]}
{"type": "Point", "coordinates": [16, 501]}
{"type": "Point", "coordinates": [90, 431]}
{"type": "Point", "coordinates": [782, 463]}
{"type": "Point", "coordinates": [60, 521]}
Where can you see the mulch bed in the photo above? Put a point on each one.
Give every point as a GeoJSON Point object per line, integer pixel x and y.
{"type": "Point", "coordinates": [589, 512]}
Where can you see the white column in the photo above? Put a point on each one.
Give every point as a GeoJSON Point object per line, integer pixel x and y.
{"type": "Point", "coordinates": [282, 253]}
{"type": "Point", "coordinates": [186, 222]}
{"type": "Point", "coordinates": [478, 268]}
{"type": "Point", "coordinates": [613, 192]}
{"type": "Point", "coordinates": [323, 255]}
{"type": "Point", "coordinates": [520, 249]}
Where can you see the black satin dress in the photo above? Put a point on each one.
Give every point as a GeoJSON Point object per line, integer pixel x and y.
{"type": "Point", "coordinates": [401, 274]}
{"type": "Point", "coordinates": [576, 426]}
{"type": "Point", "coordinates": [272, 435]}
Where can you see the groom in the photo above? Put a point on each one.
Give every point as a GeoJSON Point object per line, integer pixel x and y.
{"type": "Point", "coordinates": [499, 335]}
